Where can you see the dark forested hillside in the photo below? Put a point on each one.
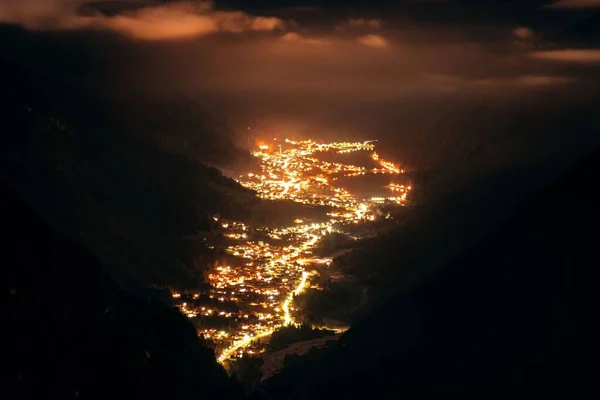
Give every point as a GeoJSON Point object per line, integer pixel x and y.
{"type": "Point", "coordinates": [499, 319]}
{"type": "Point", "coordinates": [73, 333]}
{"type": "Point", "coordinates": [116, 178]}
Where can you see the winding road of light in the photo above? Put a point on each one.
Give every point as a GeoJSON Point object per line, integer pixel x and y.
{"type": "Point", "coordinates": [288, 319]}
{"type": "Point", "coordinates": [242, 343]}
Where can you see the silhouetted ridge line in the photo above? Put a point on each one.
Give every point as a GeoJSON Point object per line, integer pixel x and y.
{"type": "Point", "coordinates": [73, 333]}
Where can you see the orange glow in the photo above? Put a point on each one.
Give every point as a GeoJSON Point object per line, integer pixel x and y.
{"type": "Point", "coordinates": [266, 275]}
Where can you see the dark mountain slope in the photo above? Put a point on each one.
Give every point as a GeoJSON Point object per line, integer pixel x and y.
{"type": "Point", "coordinates": [97, 176]}
{"type": "Point", "coordinates": [106, 66]}
{"type": "Point", "coordinates": [73, 333]}
{"type": "Point", "coordinates": [499, 319]}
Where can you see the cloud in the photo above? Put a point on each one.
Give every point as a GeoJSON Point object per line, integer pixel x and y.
{"type": "Point", "coordinates": [310, 61]}
{"type": "Point", "coordinates": [339, 67]}
{"type": "Point", "coordinates": [294, 37]}
{"type": "Point", "coordinates": [574, 4]}
{"type": "Point", "coordinates": [586, 56]}
{"type": "Point", "coordinates": [533, 81]}
{"type": "Point", "coordinates": [375, 41]}
{"type": "Point", "coordinates": [41, 15]}
{"type": "Point", "coordinates": [154, 22]}
{"type": "Point", "coordinates": [523, 33]}
{"type": "Point", "coordinates": [543, 80]}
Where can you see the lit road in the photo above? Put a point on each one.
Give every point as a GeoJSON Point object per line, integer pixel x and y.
{"type": "Point", "coordinates": [259, 335]}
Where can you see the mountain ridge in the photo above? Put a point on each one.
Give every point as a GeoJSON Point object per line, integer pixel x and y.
{"type": "Point", "coordinates": [74, 333]}
{"type": "Point", "coordinates": [499, 319]}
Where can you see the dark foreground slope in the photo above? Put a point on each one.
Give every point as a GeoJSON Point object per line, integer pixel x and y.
{"type": "Point", "coordinates": [499, 319]}
{"type": "Point", "coordinates": [73, 333]}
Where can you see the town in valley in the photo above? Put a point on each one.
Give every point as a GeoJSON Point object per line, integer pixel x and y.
{"type": "Point", "coordinates": [252, 288]}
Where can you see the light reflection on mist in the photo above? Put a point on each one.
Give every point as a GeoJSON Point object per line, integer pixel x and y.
{"type": "Point", "coordinates": [437, 94]}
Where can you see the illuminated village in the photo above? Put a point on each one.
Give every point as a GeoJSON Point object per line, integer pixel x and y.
{"type": "Point", "coordinates": [252, 294]}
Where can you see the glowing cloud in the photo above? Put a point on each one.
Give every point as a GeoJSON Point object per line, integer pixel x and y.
{"type": "Point", "coordinates": [589, 56]}
{"type": "Point", "coordinates": [294, 37]}
{"type": "Point", "coordinates": [523, 32]}
{"type": "Point", "coordinates": [157, 22]}
{"type": "Point", "coordinates": [543, 80]}
{"type": "Point", "coordinates": [533, 81]}
{"type": "Point", "coordinates": [375, 41]}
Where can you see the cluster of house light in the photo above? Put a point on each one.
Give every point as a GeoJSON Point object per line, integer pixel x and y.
{"type": "Point", "coordinates": [263, 276]}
